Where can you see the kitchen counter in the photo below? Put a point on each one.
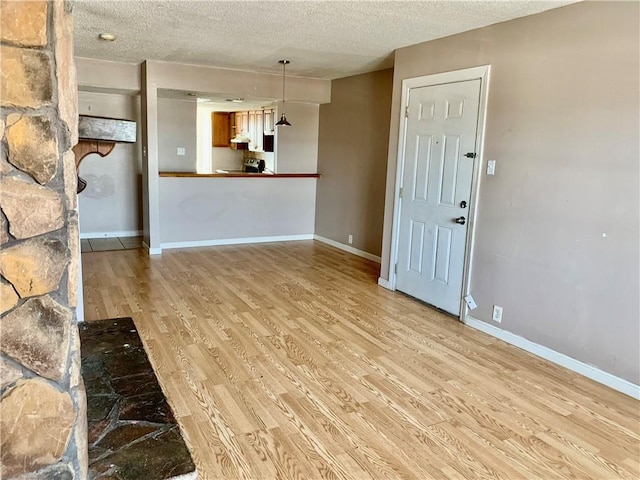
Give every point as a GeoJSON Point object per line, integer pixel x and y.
{"type": "Point", "coordinates": [199, 210]}
{"type": "Point", "coordinates": [236, 174]}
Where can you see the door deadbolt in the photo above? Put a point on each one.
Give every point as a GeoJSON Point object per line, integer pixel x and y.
{"type": "Point", "coordinates": [463, 204]}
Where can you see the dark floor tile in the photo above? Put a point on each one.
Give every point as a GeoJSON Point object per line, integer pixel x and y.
{"type": "Point", "coordinates": [135, 384]}
{"type": "Point", "coordinates": [125, 434]}
{"type": "Point", "coordinates": [96, 327]}
{"type": "Point", "coordinates": [96, 382]}
{"type": "Point", "coordinates": [150, 407]}
{"type": "Point", "coordinates": [99, 406]}
{"type": "Point", "coordinates": [127, 361]}
{"type": "Point", "coordinates": [132, 431]}
{"type": "Point", "coordinates": [165, 456]}
{"type": "Point", "coordinates": [96, 429]}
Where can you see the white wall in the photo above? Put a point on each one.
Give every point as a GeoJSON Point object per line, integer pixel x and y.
{"type": "Point", "coordinates": [111, 203]}
{"type": "Point", "coordinates": [201, 209]}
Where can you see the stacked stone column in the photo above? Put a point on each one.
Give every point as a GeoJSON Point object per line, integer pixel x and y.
{"type": "Point", "coordinates": [42, 404]}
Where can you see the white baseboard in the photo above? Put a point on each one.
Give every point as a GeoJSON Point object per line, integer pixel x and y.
{"type": "Point", "coordinates": [125, 233]}
{"type": "Point", "coordinates": [383, 282]}
{"type": "Point", "coordinates": [235, 241]}
{"type": "Point", "coordinates": [152, 251]}
{"type": "Point", "coordinates": [589, 371]}
{"type": "Point", "coordinates": [347, 248]}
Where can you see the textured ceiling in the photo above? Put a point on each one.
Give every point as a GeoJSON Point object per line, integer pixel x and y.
{"type": "Point", "coordinates": [323, 39]}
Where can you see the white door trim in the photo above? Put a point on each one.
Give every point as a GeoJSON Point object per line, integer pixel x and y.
{"type": "Point", "coordinates": [482, 73]}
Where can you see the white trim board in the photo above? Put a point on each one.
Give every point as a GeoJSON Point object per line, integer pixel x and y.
{"type": "Point", "coordinates": [347, 248]}
{"type": "Point", "coordinates": [152, 251]}
{"type": "Point", "coordinates": [124, 233]}
{"type": "Point", "coordinates": [235, 241]}
{"type": "Point", "coordinates": [589, 371]}
{"type": "Point", "coordinates": [384, 283]}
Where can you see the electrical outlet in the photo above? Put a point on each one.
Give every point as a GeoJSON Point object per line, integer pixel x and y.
{"type": "Point", "coordinates": [182, 151]}
{"type": "Point", "coordinates": [350, 239]}
{"type": "Point", "coordinates": [497, 314]}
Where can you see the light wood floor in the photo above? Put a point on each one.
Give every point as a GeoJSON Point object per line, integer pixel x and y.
{"type": "Point", "coordinates": [288, 361]}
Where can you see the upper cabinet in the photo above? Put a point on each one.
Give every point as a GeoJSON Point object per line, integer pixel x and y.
{"type": "Point", "coordinates": [259, 124]}
{"type": "Point", "coordinates": [269, 123]}
{"type": "Point", "coordinates": [256, 130]}
{"type": "Point", "coordinates": [254, 124]}
{"type": "Point", "coordinates": [220, 129]}
{"type": "Point", "coordinates": [242, 123]}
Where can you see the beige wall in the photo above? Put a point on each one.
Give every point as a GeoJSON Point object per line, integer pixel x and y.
{"type": "Point", "coordinates": [226, 158]}
{"type": "Point", "coordinates": [557, 233]}
{"type": "Point", "coordinates": [352, 158]}
{"type": "Point", "coordinates": [111, 203]}
{"type": "Point", "coordinates": [298, 146]}
{"type": "Point", "coordinates": [197, 78]}
{"type": "Point", "coordinates": [176, 128]}
{"type": "Point", "coordinates": [103, 75]}
{"type": "Point", "coordinates": [211, 209]}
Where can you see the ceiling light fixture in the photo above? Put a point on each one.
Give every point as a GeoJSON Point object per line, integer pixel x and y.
{"type": "Point", "coordinates": [107, 37]}
{"type": "Point", "coordinates": [283, 118]}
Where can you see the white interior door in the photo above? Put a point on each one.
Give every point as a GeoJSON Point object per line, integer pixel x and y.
{"type": "Point", "coordinates": [439, 156]}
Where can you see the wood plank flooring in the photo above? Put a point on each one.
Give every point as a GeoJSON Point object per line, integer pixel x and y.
{"type": "Point", "coordinates": [288, 361]}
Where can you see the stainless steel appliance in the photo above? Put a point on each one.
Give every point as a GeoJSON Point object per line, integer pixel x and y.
{"type": "Point", "coordinates": [253, 165]}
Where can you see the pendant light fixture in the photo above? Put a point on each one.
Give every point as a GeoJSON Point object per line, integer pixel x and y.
{"type": "Point", "coordinates": [283, 118]}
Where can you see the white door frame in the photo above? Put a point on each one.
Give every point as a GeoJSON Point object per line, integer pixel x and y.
{"type": "Point", "coordinates": [482, 73]}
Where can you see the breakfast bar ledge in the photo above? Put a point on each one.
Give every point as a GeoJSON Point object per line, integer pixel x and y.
{"type": "Point", "coordinates": [240, 174]}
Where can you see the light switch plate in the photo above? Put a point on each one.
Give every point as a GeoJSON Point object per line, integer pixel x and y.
{"type": "Point", "coordinates": [471, 303]}
{"type": "Point", "coordinates": [491, 167]}
{"type": "Point", "coordinates": [182, 151]}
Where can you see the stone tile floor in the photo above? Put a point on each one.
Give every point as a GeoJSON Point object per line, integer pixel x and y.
{"type": "Point", "coordinates": [132, 431]}
{"type": "Point", "coordinates": [113, 243]}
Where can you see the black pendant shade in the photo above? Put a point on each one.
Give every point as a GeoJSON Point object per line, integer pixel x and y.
{"type": "Point", "coordinates": [283, 119]}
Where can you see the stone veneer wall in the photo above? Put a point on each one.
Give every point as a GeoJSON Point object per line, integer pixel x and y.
{"type": "Point", "coordinates": [43, 405]}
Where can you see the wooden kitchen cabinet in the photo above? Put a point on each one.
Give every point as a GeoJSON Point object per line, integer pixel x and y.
{"type": "Point", "coordinates": [256, 125]}
{"type": "Point", "coordinates": [220, 129]}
